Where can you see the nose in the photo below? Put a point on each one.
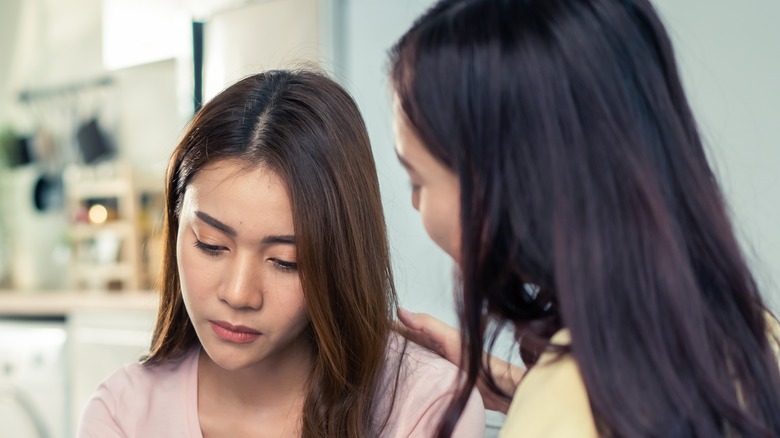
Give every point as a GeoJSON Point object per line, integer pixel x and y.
{"type": "Point", "coordinates": [243, 290]}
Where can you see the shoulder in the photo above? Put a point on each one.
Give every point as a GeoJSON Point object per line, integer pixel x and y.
{"type": "Point", "coordinates": [134, 397]}
{"type": "Point", "coordinates": [551, 400]}
{"type": "Point", "coordinates": [136, 381]}
{"type": "Point", "coordinates": [425, 386]}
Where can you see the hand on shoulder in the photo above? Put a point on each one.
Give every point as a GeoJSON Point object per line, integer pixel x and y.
{"type": "Point", "coordinates": [444, 340]}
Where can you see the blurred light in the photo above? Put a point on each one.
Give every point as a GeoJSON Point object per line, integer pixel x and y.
{"type": "Point", "coordinates": [98, 214]}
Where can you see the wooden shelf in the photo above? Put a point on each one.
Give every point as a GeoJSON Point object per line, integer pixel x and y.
{"type": "Point", "coordinates": [14, 303]}
{"type": "Point", "coordinates": [114, 271]}
{"type": "Point", "coordinates": [102, 188]}
{"type": "Point", "coordinates": [125, 268]}
{"type": "Point", "coordinates": [121, 227]}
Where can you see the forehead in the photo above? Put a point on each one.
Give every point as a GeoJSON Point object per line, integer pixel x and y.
{"type": "Point", "coordinates": [239, 195]}
{"type": "Point", "coordinates": [406, 138]}
{"type": "Point", "coordinates": [232, 175]}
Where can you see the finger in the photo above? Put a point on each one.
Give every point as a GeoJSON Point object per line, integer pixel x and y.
{"type": "Point", "coordinates": [430, 325]}
{"type": "Point", "coordinates": [404, 330]}
{"type": "Point", "coordinates": [409, 319]}
{"type": "Point", "coordinates": [416, 336]}
{"type": "Point", "coordinates": [432, 333]}
{"type": "Point", "coordinates": [420, 337]}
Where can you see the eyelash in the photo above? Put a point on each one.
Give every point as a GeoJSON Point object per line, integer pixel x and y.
{"type": "Point", "coordinates": [214, 251]}
{"type": "Point", "coordinates": [209, 250]}
{"type": "Point", "coordinates": [285, 266]}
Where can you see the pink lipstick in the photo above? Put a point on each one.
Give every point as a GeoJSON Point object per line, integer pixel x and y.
{"type": "Point", "coordinates": [238, 334]}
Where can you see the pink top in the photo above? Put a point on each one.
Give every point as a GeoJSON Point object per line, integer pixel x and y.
{"type": "Point", "coordinates": [162, 401]}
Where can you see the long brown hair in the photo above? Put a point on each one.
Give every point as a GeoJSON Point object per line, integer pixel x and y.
{"type": "Point", "coordinates": [308, 130]}
{"type": "Point", "coordinates": [587, 202]}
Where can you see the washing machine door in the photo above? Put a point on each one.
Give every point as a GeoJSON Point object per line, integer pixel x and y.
{"type": "Point", "coordinates": [18, 415]}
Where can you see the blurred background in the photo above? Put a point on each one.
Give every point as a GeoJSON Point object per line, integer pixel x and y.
{"type": "Point", "coordinates": [94, 95]}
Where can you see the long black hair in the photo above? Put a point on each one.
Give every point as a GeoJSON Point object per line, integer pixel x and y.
{"type": "Point", "coordinates": [587, 202]}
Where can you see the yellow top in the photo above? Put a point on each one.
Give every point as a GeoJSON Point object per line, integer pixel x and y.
{"type": "Point", "coordinates": [551, 401]}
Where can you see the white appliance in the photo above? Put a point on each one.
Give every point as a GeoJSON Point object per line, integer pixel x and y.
{"type": "Point", "coordinates": [33, 384]}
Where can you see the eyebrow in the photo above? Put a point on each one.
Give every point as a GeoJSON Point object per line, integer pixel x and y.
{"type": "Point", "coordinates": [227, 229]}
{"type": "Point", "coordinates": [278, 240]}
{"type": "Point", "coordinates": [230, 231]}
{"type": "Point", "coordinates": [403, 161]}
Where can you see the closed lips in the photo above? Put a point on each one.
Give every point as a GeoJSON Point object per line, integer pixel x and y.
{"type": "Point", "coordinates": [235, 328]}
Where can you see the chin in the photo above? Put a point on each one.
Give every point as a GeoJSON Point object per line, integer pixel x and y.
{"type": "Point", "coordinates": [229, 361]}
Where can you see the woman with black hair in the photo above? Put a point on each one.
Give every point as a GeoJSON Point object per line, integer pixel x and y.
{"type": "Point", "coordinates": [553, 154]}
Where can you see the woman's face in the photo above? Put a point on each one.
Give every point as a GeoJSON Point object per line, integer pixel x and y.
{"type": "Point", "coordinates": [435, 188]}
{"type": "Point", "coordinates": [237, 264]}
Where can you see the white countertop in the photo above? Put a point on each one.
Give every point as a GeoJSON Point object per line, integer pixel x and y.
{"type": "Point", "coordinates": [60, 303]}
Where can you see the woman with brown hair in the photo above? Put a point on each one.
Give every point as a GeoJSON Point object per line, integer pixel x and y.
{"type": "Point", "coordinates": [277, 301]}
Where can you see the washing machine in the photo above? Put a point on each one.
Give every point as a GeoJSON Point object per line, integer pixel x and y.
{"type": "Point", "coordinates": [33, 378]}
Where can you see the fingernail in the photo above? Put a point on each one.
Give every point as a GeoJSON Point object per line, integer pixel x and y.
{"type": "Point", "coordinates": [403, 313]}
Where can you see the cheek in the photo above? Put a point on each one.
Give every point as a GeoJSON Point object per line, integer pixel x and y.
{"type": "Point", "coordinates": [286, 294]}
{"type": "Point", "coordinates": [183, 260]}
{"type": "Point", "coordinates": [295, 304]}
{"type": "Point", "coordinates": [441, 221]}
{"type": "Point", "coordinates": [292, 312]}
{"type": "Point", "coordinates": [195, 273]}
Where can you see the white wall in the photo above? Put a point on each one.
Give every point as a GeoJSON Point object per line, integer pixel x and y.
{"type": "Point", "coordinates": [260, 36]}
{"type": "Point", "coordinates": [9, 24]}
{"type": "Point", "coordinates": [729, 54]}
{"type": "Point", "coordinates": [423, 272]}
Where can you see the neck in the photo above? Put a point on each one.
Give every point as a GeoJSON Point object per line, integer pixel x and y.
{"type": "Point", "coordinates": [278, 381]}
